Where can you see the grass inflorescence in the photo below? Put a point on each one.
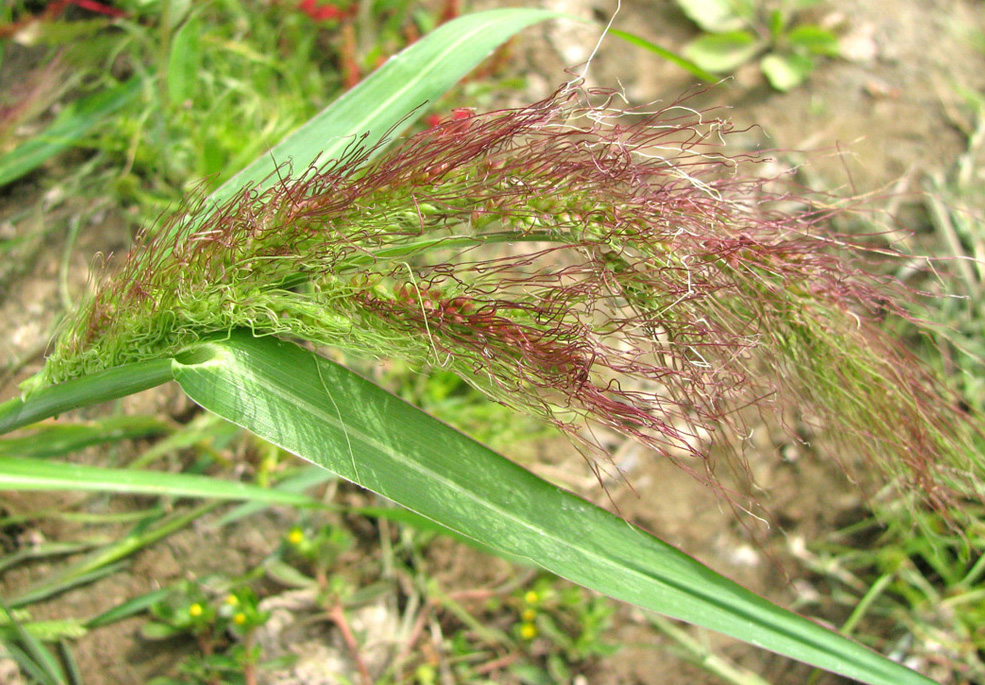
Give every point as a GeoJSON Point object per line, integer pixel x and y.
{"type": "Point", "coordinates": [571, 259]}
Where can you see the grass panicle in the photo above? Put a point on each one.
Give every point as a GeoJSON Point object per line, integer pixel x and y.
{"type": "Point", "coordinates": [572, 259]}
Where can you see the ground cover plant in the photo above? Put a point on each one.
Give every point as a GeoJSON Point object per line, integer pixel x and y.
{"type": "Point", "coordinates": [736, 33]}
{"type": "Point", "coordinates": [637, 307]}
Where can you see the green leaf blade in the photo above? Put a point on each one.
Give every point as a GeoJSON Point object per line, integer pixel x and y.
{"type": "Point", "coordinates": [353, 428]}
{"type": "Point", "coordinates": [43, 403]}
{"type": "Point", "coordinates": [786, 72]}
{"type": "Point", "coordinates": [184, 62]}
{"type": "Point", "coordinates": [380, 104]}
{"type": "Point", "coordinates": [715, 16]}
{"type": "Point", "coordinates": [814, 40]}
{"type": "Point", "coordinates": [55, 440]}
{"type": "Point", "coordinates": [17, 473]}
{"type": "Point", "coordinates": [666, 54]}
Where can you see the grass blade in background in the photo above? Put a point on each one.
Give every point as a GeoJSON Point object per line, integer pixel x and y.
{"type": "Point", "coordinates": [46, 550]}
{"type": "Point", "coordinates": [387, 100]}
{"type": "Point", "coordinates": [346, 424]}
{"type": "Point", "coordinates": [31, 655]}
{"type": "Point", "coordinates": [71, 125]}
{"type": "Point", "coordinates": [36, 474]}
{"type": "Point", "coordinates": [111, 558]}
{"type": "Point", "coordinates": [128, 608]}
{"type": "Point", "coordinates": [63, 438]}
{"type": "Point", "coordinates": [684, 63]}
{"type": "Point", "coordinates": [309, 477]}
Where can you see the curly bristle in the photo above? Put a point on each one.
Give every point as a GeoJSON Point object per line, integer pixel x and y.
{"type": "Point", "coordinates": [571, 259]}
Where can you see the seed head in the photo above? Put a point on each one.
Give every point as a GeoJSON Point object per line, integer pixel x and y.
{"type": "Point", "coordinates": [569, 258]}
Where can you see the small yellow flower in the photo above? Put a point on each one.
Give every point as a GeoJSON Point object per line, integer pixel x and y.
{"type": "Point", "coordinates": [296, 536]}
{"type": "Point", "coordinates": [531, 597]}
{"type": "Point", "coordinates": [232, 600]}
{"type": "Point", "coordinates": [528, 631]}
{"type": "Point", "coordinates": [239, 619]}
{"type": "Point", "coordinates": [425, 675]}
{"type": "Point", "coordinates": [528, 615]}
{"type": "Point", "coordinates": [195, 610]}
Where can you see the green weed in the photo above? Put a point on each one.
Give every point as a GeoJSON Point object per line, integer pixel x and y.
{"type": "Point", "coordinates": [736, 32]}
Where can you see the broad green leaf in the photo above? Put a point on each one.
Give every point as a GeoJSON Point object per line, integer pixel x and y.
{"type": "Point", "coordinates": [715, 16]}
{"type": "Point", "coordinates": [174, 10]}
{"type": "Point", "coordinates": [388, 100]}
{"type": "Point", "coordinates": [814, 40]}
{"type": "Point", "coordinates": [777, 23]}
{"type": "Point", "coordinates": [420, 523]}
{"type": "Point", "coordinates": [722, 53]}
{"type": "Point", "coordinates": [332, 417]}
{"type": "Point", "coordinates": [69, 127]}
{"type": "Point", "coordinates": [37, 474]}
{"type": "Point", "coordinates": [786, 71]}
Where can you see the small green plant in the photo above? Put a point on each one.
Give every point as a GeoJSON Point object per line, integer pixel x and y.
{"type": "Point", "coordinates": [739, 31]}
{"type": "Point", "coordinates": [571, 621]}
{"type": "Point", "coordinates": [316, 553]}
{"type": "Point", "coordinates": [212, 620]}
